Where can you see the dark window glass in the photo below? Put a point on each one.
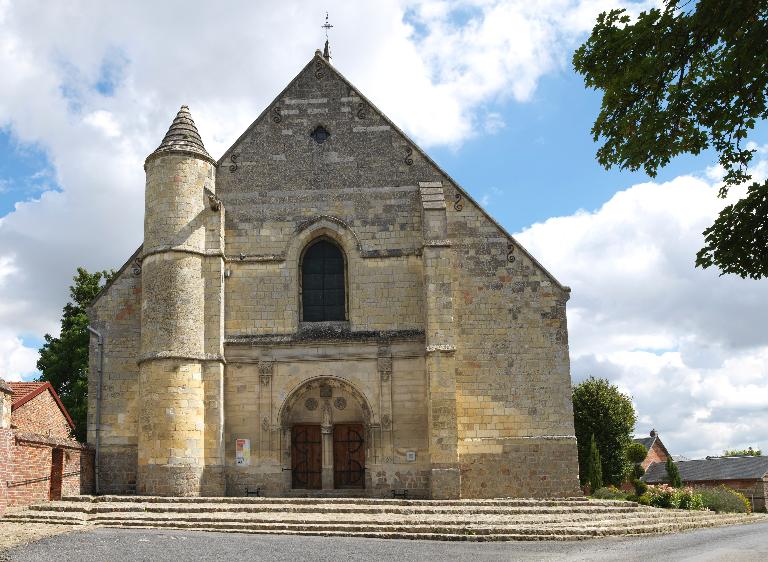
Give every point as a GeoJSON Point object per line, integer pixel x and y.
{"type": "Point", "coordinates": [320, 134]}
{"type": "Point", "coordinates": [322, 283]}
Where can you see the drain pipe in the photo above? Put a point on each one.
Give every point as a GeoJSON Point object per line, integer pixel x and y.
{"type": "Point", "coordinates": [100, 343]}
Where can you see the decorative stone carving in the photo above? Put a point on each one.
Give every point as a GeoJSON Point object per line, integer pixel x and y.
{"type": "Point", "coordinates": [458, 205]}
{"type": "Point", "coordinates": [327, 414]}
{"type": "Point", "coordinates": [325, 391]}
{"type": "Point", "coordinates": [265, 424]}
{"type": "Point", "coordinates": [340, 402]}
{"type": "Point", "coordinates": [385, 368]}
{"type": "Point", "coordinates": [408, 153]}
{"type": "Point", "coordinates": [386, 421]}
{"type": "Point", "coordinates": [384, 362]}
{"type": "Point", "coordinates": [266, 368]}
{"type": "Point", "coordinates": [214, 202]}
{"type": "Point", "coordinates": [310, 404]}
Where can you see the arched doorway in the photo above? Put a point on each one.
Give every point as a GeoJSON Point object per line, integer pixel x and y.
{"type": "Point", "coordinates": [326, 429]}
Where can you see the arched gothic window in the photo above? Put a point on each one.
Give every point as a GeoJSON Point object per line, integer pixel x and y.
{"type": "Point", "coordinates": [322, 283]}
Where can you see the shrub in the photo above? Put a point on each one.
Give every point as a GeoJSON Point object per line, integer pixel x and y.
{"type": "Point", "coordinates": [609, 493]}
{"type": "Point", "coordinates": [594, 467]}
{"type": "Point", "coordinates": [690, 499]}
{"type": "Point", "coordinates": [636, 453]}
{"type": "Point", "coordinates": [645, 499]}
{"type": "Point", "coordinates": [673, 473]}
{"type": "Point", "coordinates": [674, 498]}
{"type": "Point", "coordinates": [725, 499]}
{"type": "Point", "coordinates": [662, 496]}
{"type": "Point", "coordinates": [640, 487]}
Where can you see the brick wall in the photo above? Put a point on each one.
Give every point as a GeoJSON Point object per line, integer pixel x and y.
{"type": "Point", "coordinates": [26, 472]}
{"type": "Point", "coordinates": [755, 490]}
{"type": "Point", "coordinates": [43, 416]}
{"type": "Point", "coordinates": [655, 454]}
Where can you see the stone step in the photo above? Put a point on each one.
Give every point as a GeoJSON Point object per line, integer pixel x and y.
{"type": "Point", "coordinates": [338, 500]}
{"type": "Point", "coordinates": [497, 524]}
{"type": "Point", "coordinates": [669, 516]}
{"type": "Point", "coordinates": [425, 531]}
{"type": "Point", "coordinates": [334, 509]}
{"type": "Point", "coordinates": [390, 535]}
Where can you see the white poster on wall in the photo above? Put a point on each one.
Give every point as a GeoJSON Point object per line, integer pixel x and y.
{"type": "Point", "coordinates": [243, 452]}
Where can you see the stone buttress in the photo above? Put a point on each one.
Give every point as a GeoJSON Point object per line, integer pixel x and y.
{"type": "Point", "coordinates": [445, 477]}
{"type": "Point", "coordinates": [180, 447]}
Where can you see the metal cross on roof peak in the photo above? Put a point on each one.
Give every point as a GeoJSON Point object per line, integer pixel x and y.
{"type": "Point", "coordinates": [327, 26]}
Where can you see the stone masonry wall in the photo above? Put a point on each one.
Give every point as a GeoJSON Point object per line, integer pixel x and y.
{"type": "Point", "coordinates": [508, 359]}
{"type": "Point", "coordinates": [117, 315]}
{"type": "Point", "coordinates": [43, 416]}
{"type": "Point", "coordinates": [513, 373]}
{"type": "Point", "coordinates": [355, 187]}
{"type": "Point", "coordinates": [6, 448]}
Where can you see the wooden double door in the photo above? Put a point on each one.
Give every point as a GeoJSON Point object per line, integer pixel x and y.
{"type": "Point", "coordinates": [348, 443]}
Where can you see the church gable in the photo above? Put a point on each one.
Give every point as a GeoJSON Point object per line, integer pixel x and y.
{"type": "Point", "coordinates": [322, 149]}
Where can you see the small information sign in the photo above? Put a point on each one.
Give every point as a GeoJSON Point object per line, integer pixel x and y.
{"type": "Point", "coordinates": [243, 452]}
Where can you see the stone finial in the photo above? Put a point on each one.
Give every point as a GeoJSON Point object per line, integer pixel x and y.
{"type": "Point", "coordinates": [4, 388]}
{"type": "Point", "coordinates": [653, 433]}
{"type": "Point", "coordinates": [183, 135]}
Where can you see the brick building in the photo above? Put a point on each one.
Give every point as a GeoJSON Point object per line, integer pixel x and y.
{"type": "Point", "coordinates": [324, 310]}
{"type": "Point", "coordinates": [39, 459]}
{"type": "Point", "coordinates": [657, 452]}
{"type": "Point", "coordinates": [748, 475]}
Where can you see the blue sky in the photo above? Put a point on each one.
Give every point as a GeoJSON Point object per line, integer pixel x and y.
{"type": "Point", "coordinates": [484, 86]}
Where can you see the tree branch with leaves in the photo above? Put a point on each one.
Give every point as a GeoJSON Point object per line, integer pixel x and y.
{"type": "Point", "coordinates": [678, 80]}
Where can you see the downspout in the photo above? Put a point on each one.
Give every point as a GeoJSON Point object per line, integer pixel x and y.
{"type": "Point", "coordinates": [100, 343]}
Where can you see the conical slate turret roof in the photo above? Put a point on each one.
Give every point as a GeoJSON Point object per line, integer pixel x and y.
{"type": "Point", "coordinates": [183, 135]}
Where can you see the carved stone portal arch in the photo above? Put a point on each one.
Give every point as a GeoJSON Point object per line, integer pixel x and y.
{"type": "Point", "coordinates": [332, 404]}
{"type": "Point", "coordinates": [292, 409]}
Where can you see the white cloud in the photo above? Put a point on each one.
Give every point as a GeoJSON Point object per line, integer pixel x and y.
{"type": "Point", "coordinates": [688, 345]}
{"type": "Point", "coordinates": [16, 360]}
{"type": "Point", "coordinates": [95, 85]}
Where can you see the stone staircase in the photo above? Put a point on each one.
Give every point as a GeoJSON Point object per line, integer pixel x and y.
{"type": "Point", "coordinates": [466, 520]}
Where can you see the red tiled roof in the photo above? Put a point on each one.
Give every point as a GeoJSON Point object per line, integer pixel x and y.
{"type": "Point", "coordinates": [21, 389]}
{"type": "Point", "coordinates": [23, 392]}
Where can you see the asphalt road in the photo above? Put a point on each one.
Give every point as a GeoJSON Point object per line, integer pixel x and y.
{"type": "Point", "coordinates": [736, 543]}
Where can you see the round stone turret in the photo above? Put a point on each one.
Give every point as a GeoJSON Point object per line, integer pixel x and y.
{"type": "Point", "coordinates": [172, 452]}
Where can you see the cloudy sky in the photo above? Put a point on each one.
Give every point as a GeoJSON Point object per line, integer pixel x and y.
{"type": "Point", "coordinates": [485, 86]}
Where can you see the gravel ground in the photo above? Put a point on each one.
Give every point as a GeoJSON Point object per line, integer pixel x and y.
{"type": "Point", "coordinates": [16, 534]}
{"type": "Point", "coordinates": [732, 544]}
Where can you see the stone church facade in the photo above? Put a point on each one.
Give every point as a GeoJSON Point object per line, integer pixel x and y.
{"type": "Point", "coordinates": [325, 311]}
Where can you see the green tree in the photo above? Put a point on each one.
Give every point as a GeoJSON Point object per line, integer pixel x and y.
{"type": "Point", "coordinates": [636, 453]}
{"type": "Point", "coordinates": [681, 79]}
{"type": "Point", "coordinates": [64, 360]}
{"type": "Point", "coordinates": [750, 452]}
{"type": "Point", "coordinates": [600, 409]}
{"type": "Point", "coordinates": [673, 473]}
{"type": "Point", "coordinates": [594, 467]}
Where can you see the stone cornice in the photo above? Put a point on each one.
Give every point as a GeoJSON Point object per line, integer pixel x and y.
{"type": "Point", "coordinates": [168, 355]}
